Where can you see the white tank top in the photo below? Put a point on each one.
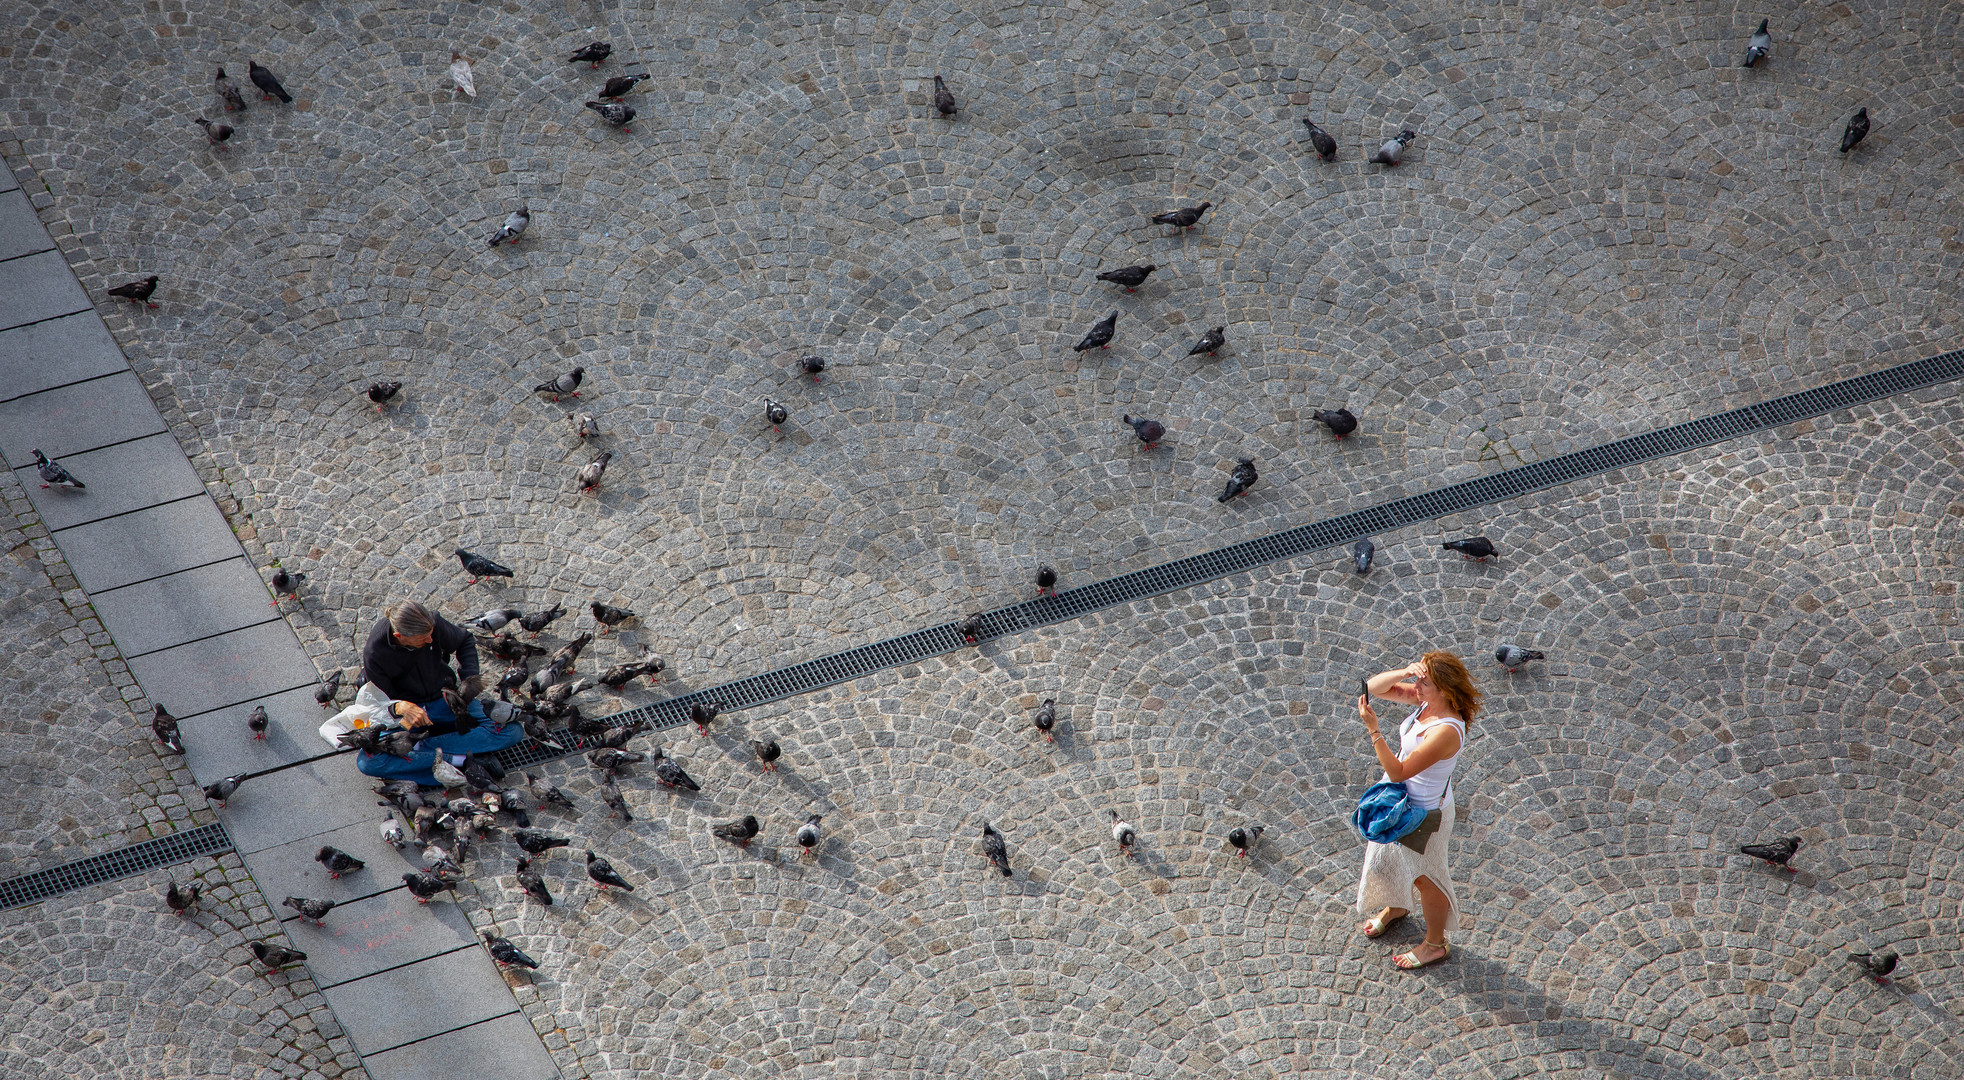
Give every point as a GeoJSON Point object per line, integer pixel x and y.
{"type": "Point", "coordinates": [1428, 790]}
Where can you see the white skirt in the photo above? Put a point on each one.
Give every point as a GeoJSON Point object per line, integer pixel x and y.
{"type": "Point", "coordinates": [1390, 871]}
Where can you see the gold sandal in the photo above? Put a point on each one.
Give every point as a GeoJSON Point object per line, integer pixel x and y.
{"type": "Point", "coordinates": [1415, 964]}
{"type": "Point", "coordinates": [1378, 924]}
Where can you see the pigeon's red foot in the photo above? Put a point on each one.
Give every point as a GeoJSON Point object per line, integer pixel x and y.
{"type": "Point", "coordinates": [1243, 852]}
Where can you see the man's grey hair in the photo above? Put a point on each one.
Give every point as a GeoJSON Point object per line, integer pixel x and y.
{"type": "Point", "coordinates": [410, 619]}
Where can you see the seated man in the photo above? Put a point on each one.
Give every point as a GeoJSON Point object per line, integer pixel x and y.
{"type": "Point", "coordinates": [408, 658]}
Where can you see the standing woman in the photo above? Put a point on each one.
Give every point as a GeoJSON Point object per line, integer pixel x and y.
{"type": "Point", "coordinates": [1429, 742]}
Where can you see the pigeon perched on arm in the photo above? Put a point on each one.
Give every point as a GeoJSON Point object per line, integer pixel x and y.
{"type": "Point", "coordinates": [1758, 46]}
{"type": "Point", "coordinates": [812, 365]}
{"type": "Point", "coordinates": [775, 413]}
{"type": "Point", "coordinates": [182, 900]}
{"type": "Point", "coordinates": [609, 616]}
{"type": "Point", "coordinates": [1326, 147]}
{"type": "Point", "coordinates": [215, 133]}
{"type": "Point", "coordinates": [505, 953]}
{"type": "Point", "coordinates": [595, 53]}
{"type": "Point", "coordinates": [313, 909]}
{"type": "Point", "coordinates": [1129, 276]}
{"type": "Point", "coordinates": [1100, 334]}
{"type": "Point", "coordinates": [460, 73]}
{"type": "Point", "coordinates": [1148, 431]}
{"type": "Point", "coordinates": [533, 882]}
{"type": "Point", "coordinates": [1240, 480]}
{"type": "Point", "coordinates": [228, 91]}
{"type": "Point", "coordinates": [614, 113]}
{"type": "Point", "coordinates": [944, 102]}
{"type": "Point", "coordinates": [268, 85]}
{"type": "Point", "coordinates": [336, 861]}
{"type": "Point", "coordinates": [381, 392]}
{"type": "Point", "coordinates": [328, 690]}
{"type": "Point", "coordinates": [1856, 131]}
{"type": "Point", "coordinates": [995, 849]}
{"type": "Point", "coordinates": [1243, 840]}
{"type": "Point", "coordinates": [1513, 656]}
{"type": "Point", "coordinates": [1184, 218]}
{"type": "Point", "coordinates": [808, 834]}
{"type": "Point", "coordinates": [513, 228]}
{"type": "Point", "coordinates": [1210, 342]}
{"type": "Point", "coordinates": [137, 292]}
{"type": "Point", "coordinates": [1123, 833]}
{"type": "Point", "coordinates": [1775, 852]}
{"type": "Point", "coordinates": [1046, 580]}
{"type": "Point", "coordinates": [622, 84]}
{"type": "Point", "coordinates": [479, 567]}
{"type": "Point", "coordinates": [276, 957]}
{"type": "Point", "coordinates": [603, 875]}
{"type": "Point", "coordinates": [1045, 719]}
{"type": "Point", "coordinates": [970, 628]}
{"type": "Point", "coordinates": [1341, 422]}
{"type": "Point", "coordinates": [564, 385]}
{"type": "Point", "coordinates": [1875, 965]}
{"type": "Point", "coordinates": [1362, 554]}
{"type": "Point", "coordinates": [165, 726]}
{"type": "Point", "coordinates": [590, 475]}
{"type": "Point", "coordinates": [768, 753]}
{"type": "Point", "coordinates": [740, 832]}
{"type": "Point", "coordinates": [1473, 547]}
{"type": "Point", "coordinates": [539, 620]}
{"type": "Point", "coordinates": [220, 790]}
{"type": "Point", "coordinates": [53, 475]}
{"type": "Point", "coordinates": [702, 714]}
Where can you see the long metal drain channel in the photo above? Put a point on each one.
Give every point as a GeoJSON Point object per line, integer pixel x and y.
{"type": "Point", "coordinates": [1195, 570]}
{"type": "Point", "coordinates": [139, 858]}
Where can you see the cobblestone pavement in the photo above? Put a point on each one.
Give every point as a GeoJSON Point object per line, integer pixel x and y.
{"type": "Point", "coordinates": [1603, 226]}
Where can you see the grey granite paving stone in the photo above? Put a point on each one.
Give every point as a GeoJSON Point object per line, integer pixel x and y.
{"type": "Point", "coordinates": [37, 287]}
{"type": "Point", "coordinates": [387, 1010]}
{"type": "Point", "coordinates": [121, 478]}
{"type": "Point", "coordinates": [289, 869]}
{"type": "Point", "coordinates": [502, 1049]}
{"type": "Point", "coordinates": [55, 353]}
{"type": "Point", "coordinates": [225, 670]}
{"type": "Point", "coordinates": [381, 931]}
{"type": "Point", "coordinates": [20, 231]}
{"type": "Point", "coordinates": [313, 797]}
{"type": "Point", "coordinates": [218, 743]}
{"type": "Point", "coordinates": [7, 181]}
{"type": "Point", "coordinates": [184, 606]}
{"type": "Point", "coordinates": [161, 540]}
{"type": "Point", "coordinates": [75, 418]}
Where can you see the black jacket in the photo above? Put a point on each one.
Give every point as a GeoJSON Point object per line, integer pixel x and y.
{"type": "Point", "coordinates": [418, 675]}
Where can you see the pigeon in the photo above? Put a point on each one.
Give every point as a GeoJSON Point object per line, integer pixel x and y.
{"type": "Point", "coordinates": [425, 886]}
{"type": "Point", "coordinates": [1874, 965]}
{"type": "Point", "coordinates": [611, 796]}
{"type": "Point", "coordinates": [539, 620]}
{"type": "Point", "coordinates": [620, 675]}
{"type": "Point", "coordinates": [993, 847]}
{"type": "Point", "coordinates": [286, 583]}
{"type": "Point", "coordinates": [1513, 656]}
{"type": "Point", "coordinates": [336, 861]}
{"type": "Point", "coordinates": [137, 292]}
{"type": "Point", "coordinates": [1758, 46]}
{"type": "Point", "coordinates": [602, 873]}
{"type": "Point", "coordinates": [970, 628]}
{"type": "Point", "coordinates": [439, 860]}
{"type": "Point", "coordinates": [1148, 431]}
{"type": "Point", "coordinates": [1243, 840]}
{"type": "Point", "coordinates": [768, 753]}
{"type": "Point", "coordinates": [313, 909]}
{"type": "Point", "coordinates": [621, 84]}
{"type": "Point", "coordinates": [1046, 718]}
{"type": "Point", "coordinates": [607, 615]}
{"type": "Point", "coordinates": [1362, 554]}
{"type": "Point", "coordinates": [215, 133]}
{"type": "Point", "coordinates": [583, 424]}
{"type": "Point", "coordinates": [564, 656]}
{"type": "Point", "coordinates": [1856, 131]}
{"type": "Point", "coordinates": [595, 53]}
{"type": "Point", "coordinates": [533, 882]}
{"type": "Point", "coordinates": [808, 833]}
{"type": "Point", "coordinates": [53, 475]}
{"type": "Point", "coordinates": [702, 714]}
{"type": "Point", "coordinates": [1129, 276]}
{"type": "Point", "coordinates": [1473, 547]}
{"type": "Point", "coordinates": [494, 620]}
{"type": "Point", "coordinates": [1185, 218]}
{"type": "Point", "coordinates": [590, 475]}
{"type": "Point", "coordinates": [611, 759]}
{"type": "Point", "coordinates": [1240, 480]}
{"type": "Point", "coordinates": [562, 385]}
{"type": "Point", "coordinates": [514, 227]}
{"type": "Point", "coordinates": [614, 113]}
{"type": "Point", "coordinates": [228, 91]}
{"type": "Point", "coordinates": [1326, 147]}
{"type": "Point", "coordinates": [182, 900]}
{"type": "Point", "coordinates": [944, 102]}
{"type": "Point", "coordinates": [671, 774]}
{"type": "Point", "coordinates": [1394, 148]}
{"type": "Point", "coordinates": [1776, 853]}
{"type": "Point", "coordinates": [267, 84]}
{"type": "Point", "coordinates": [479, 567]}
{"type": "Point", "coordinates": [775, 413]}
{"type": "Point", "coordinates": [381, 392]}
{"type": "Point", "coordinates": [509, 649]}
{"type": "Point", "coordinates": [392, 833]}
{"type": "Point", "coordinates": [1100, 334]}
{"type": "Point", "coordinates": [538, 843]}
{"type": "Point", "coordinates": [504, 952]}
{"type": "Point", "coordinates": [1046, 580]}
{"type": "Point", "coordinates": [276, 957]}
{"type": "Point", "coordinates": [739, 833]}
{"type": "Point", "coordinates": [222, 789]}
{"type": "Point", "coordinates": [1210, 342]}
{"type": "Point", "coordinates": [812, 365]}
{"type": "Point", "coordinates": [1341, 422]}
{"type": "Point", "coordinates": [165, 725]}
{"type": "Point", "coordinates": [328, 690]}
{"type": "Point", "coordinates": [1122, 832]}
{"type": "Point", "coordinates": [544, 791]}
{"type": "Point", "coordinates": [460, 73]}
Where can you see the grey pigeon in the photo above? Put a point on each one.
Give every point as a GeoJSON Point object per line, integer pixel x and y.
{"type": "Point", "coordinates": [182, 900]}
{"type": "Point", "coordinates": [479, 567]}
{"type": "Point", "coordinates": [544, 791]}
{"type": "Point", "coordinates": [1129, 276]}
{"type": "Point", "coordinates": [328, 690]}
{"type": "Point", "coordinates": [258, 722]}
{"type": "Point", "coordinates": [1210, 342]}
{"type": "Point", "coordinates": [1240, 480]}
{"type": "Point", "coordinates": [611, 759]}
{"type": "Point", "coordinates": [995, 849]}
{"type": "Point", "coordinates": [812, 365]}
{"type": "Point", "coordinates": [704, 713]}
{"type": "Point", "coordinates": [533, 882]}
{"type": "Point", "coordinates": [1513, 656]}
{"type": "Point", "coordinates": [740, 832]}
{"type": "Point", "coordinates": [1148, 431]}
{"type": "Point", "coordinates": [425, 887]}
{"type": "Point", "coordinates": [611, 797]}
{"type": "Point", "coordinates": [504, 952]}
{"type": "Point", "coordinates": [1100, 334]}
{"type": "Point", "coordinates": [268, 85]}
{"type": "Point", "coordinates": [1394, 148]}
{"type": "Point", "coordinates": [622, 84]}
{"type": "Point", "coordinates": [562, 385]}
{"type": "Point", "coordinates": [1184, 218]}
{"type": "Point", "coordinates": [808, 833]}
{"type": "Point", "coordinates": [538, 843]}
{"type": "Point", "coordinates": [970, 628]}
{"type": "Point", "coordinates": [137, 292]}
{"type": "Point", "coordinates": [1123, 833]}
{"type": "Point", "coordinates": [768, 753]}
{"type": "Point", "coordinates": [215, 133]}
{"type": "Point", "coordinates": [1758, 46]}
{"type": "Point", "coordinates": [228, 91]}
{"type": "Point", "coordinates": [1775, 852]}
{"type": "Point", "coordinates": [944, 102]}
{"type": "Point", "coordinates": [609, 616]}
{"type": "Point", "coordinates": [1046, 718]}
{"type": "Point", "coordinates": [276, 957]}
{"type": "Point", "coordinates": [603, 875]}
{"type": "Point", "coordinates": [220, 790]}
{"type": "Point", "coordinates": [583, 424]}
{"type": "Point", "coordinates": [1243, 839]}
{"type": "Point", "coordinates": [1875, 965]}
{"type": "Point", "coordinates": [539, 620]}
{"type": "Point", "coordinates": [1856, 131]}
{"type": "Point", "coordinates": [595, 53]}
{"type": "Point", "coordinates": [336, 861]}
{"type": "Point", "coordinates": [514, 227]}
{"type": "Point", "coordinates": [669, 773]}
{"type": "Point", "coordinates": [313, 909]}
{"type": "Point", "coordinates": [1341, 422]}
{"type": "Point", "coordinates": [1326, 147]}
{"type": "Point", "coordinates": [286, 583]}
{"type": "Point", "coordinates": [53, 475]}
{"type": "Point", "coordinates": [494, 620]}
{"type": "Point", "coordinates": [590, 475]}
{"type": "Point", "coordinates": [165, 725]}
{"type": "Point", "coordinates": [1473, 547]}
{"type": "Point", "coordinates": [614, 113]}
{"type": "Point", "coordinates": [381, 392]}
{"type": "Point", "coordinates": [391, 830]}
{"type": "Point", "coordinates": [1046, 580]}
{"type": "Point", "coordinates": [775, 413]}
{"type": "Point", "coordinates": [1362, 554]}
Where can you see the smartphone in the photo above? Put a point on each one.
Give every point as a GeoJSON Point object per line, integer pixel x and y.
{"type": "Point", "coordinates": [1363, 686]}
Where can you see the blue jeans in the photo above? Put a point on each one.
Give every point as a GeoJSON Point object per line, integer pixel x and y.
{"type": "Point", "coordinates": [482, 739]}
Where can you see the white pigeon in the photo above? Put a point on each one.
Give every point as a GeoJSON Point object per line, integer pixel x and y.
{"type": "Point", "coordinates": [1123, 833]}
{"type": "Point", "coordinates": [392, 833]}
{"type": "Point", "coordinates": [460, 71]}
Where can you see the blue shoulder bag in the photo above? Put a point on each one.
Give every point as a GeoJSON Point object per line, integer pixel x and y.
{"type": "Point", "coordinates": [1386, 813]}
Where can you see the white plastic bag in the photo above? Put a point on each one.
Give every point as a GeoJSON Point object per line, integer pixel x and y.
{"type": "Point", "coordinates": [371, 708]}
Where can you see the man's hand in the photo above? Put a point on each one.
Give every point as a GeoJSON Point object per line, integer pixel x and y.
{"type": "Point", "coordinates": [471, 688]}
{"type": "Point", "coordinates": [413, 716]}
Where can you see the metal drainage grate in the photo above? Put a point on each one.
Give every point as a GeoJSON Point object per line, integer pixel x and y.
{"type": "Point", "coordinates": [1290, 543]}
{"type": "Point", "coordinates": [110, 865]}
